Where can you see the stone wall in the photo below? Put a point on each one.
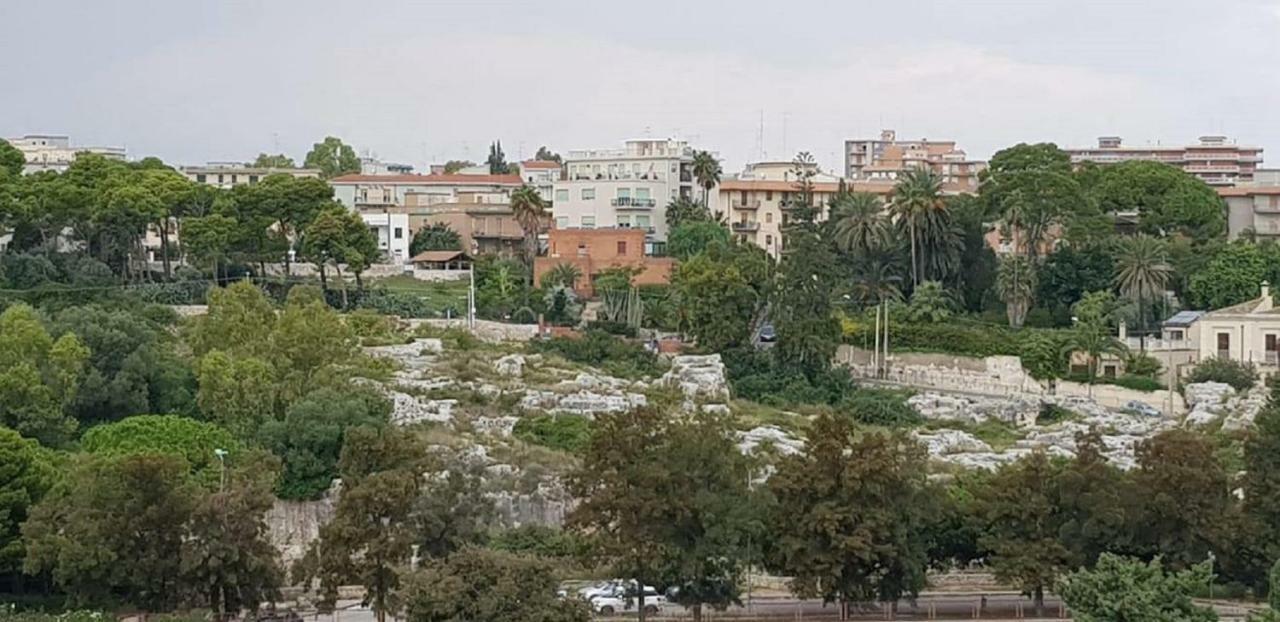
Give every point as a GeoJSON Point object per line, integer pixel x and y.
{"type": "Point", "coordinates": [485, 329]}
{"type": "Point", "coordinates": [1115, 397]}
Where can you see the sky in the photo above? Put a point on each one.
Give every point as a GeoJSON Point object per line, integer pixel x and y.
{"type": "Point", "coordinates": [428, 81]}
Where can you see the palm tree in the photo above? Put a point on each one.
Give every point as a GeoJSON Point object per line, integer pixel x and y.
{"type": "Point", "coordinates": [917, 201]}
{"type": "Point", "coordinates": [1016, 284]}
{"type": "Point", "coordinates": [1093, 337]}
{"type": "Point", "coordinates": [858, 224]}
{"type": "Point", "coordinates": [564, 274]}
{"type": "Point", "coordinates": [930, 303]}
{"type": "Point", "coordinates": [531, 212]}
{"type": "Point", "coordinates": [1142, 270]}
{"type": "Point", "coordinates": [876, 280]}
{"type": "Point", "coordinates": [706, 169]}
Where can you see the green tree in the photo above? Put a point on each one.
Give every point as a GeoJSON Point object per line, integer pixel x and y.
{"type": "Point", "coordinates": [497, 160]}
{"type": "Point", "coordinates": [1091, 333]}
{"type": "Point", "coordinates": [1071, 271]}
{"type": "Point", "coordinates": [435, 237]}
{"type": "Point", "coordinates": [858, 223]}
{"type": "Point", "coordinates": [11, 160]}
{"type": "Point", "coordinates": [1032, 189]}
{"type": "Point", "coordinates": [479, 585]}
{"type": "Point", "coordinates": [563, 274]}
{"type": "Point", "coordinates": [1122, 589]}
{"type": "Point", "coordinates": [1096, 502]}
{"type": "Point", "coordinates": [850, 514]}
{"type": "Point", "coordinates": [27, 472]}
{"type": "Point", "coordinates": [917, 206]}
{"type": "Point", "coordinates": [546, 155]}
{"type": "Point", "coordinates": [929, 303]}
{"type": "Point", "coordinates": [208, 239]}
{"type": "Point", "coordinates": [239, 320]}
{"type": "Point", "coordinates": [1016, 284]}
{"type": "Point", "coordinates": [692, 238]}
{"type": "Point", "coordinates": [1232, 276]}
{"type": "Point", "coordinates": [1187, 497]}
{"type": "Point", "coordinates": [1142, 271]}
{"type": "Point", "coordinates": [114, 531]}
{"type": "Point", "coordinates": [1261, 482]}
{"type": "Point", "coordinates": [39, 376]}
{"type": "Point", "coordinates": [531, 213]}
{"type": "Point", "coordinates": [278, 160]}
{"type": "Point", "coordinates": [1019, 511]}
{"type": "Point", "coordinates": [193, 441]}
{"type": "Point", "coordinates": [309, 341]}
{"type": "Point", "coordinates": [453, 166]}
{"type": "Point", "coordinates": [717, 301]}
{"type": "Point", "coordinates": [239, 393]}
{"type": "Point", "coordinates": [1166, 200]}
{"type": "Point", "coordinates": [682, 211]}
{"type": "Point", "coordinates": [706, 170]}
{"type": "Point", "coordinates": [327, 241]}
{"type": "Point", "coordinates": [333, 157]}
{"type": "Point", "coordinates": [309, 437]}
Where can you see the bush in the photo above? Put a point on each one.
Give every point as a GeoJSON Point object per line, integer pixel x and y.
{"type": "Point", "coordinates": [1140, 364]}
{"type": "Point", "coordinates": [1052, 413]}
{"type": "Point", "coordinates": [1241, 376]}
{"type": "Point", "coordinates": [1137, 383]}
{"type": "Point", "coordinates": [958, 337]}
{"type": "Point", "coordinates": [757, 377]}
{"type": "Point", "coordinates": [882, 407]}
{"type": "Point", "coordinates": [612, 354]}
{"type": "Point", "coordinates": [621, 329]}
{"type": "Point", "coordinates": [567, 433]}
{"type": "Point", "coordinates": [540, 541]}
{"type": "Point", "coordinates": [393, 303]}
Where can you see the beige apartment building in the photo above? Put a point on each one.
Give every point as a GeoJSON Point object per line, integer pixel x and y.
{"type": "Point", "coordinates": [485, 228]}
{"type": "Point", "coordinates": [363, 192]}
{"type": "Point", "coordinates": [54, 152]}
{"type": "Point", "coordinates": [886, 158]}
{"type": "Point", "coordinates": [1216, 160]}
{"type": "Point", "coordinates": [231, 174]}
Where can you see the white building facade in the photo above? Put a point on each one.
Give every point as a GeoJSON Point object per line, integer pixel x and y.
{"type": "Point", "coordinates": [392, 231]}
{"type": "Point", "coordinates": [541, 174]}
{"type": "Point", "coordinates": [627, 187]}
{"type": "Point", "coordinates": [231, 174]}
{"type": "Point", "coordinates": [50, 152]}
{"type": "Point", "coordinates": [374, 192]}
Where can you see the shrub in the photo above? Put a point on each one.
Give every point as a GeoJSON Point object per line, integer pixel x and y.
{"type": "Point", "coordinates": [191, 440]}
{"type": "Point", "coordinates": [615, 356]}
{"type": "Point", "coordinates": [621, 329]}
{"type": "Point", "coordinates": [394, 303]}
{"type": "Point", "coordinates": [962, 338]}
{"type": "Point", "coordinates": [1053, 413]}
{"type": "Point", "coordinates": [879, 407]}
{"type": "Point", "coordinates": [1241, 376]}
{"type": "Point", "coordinates": [540, 541]}
{"type": "Point", "coordinates": [568, 433]}
{"type": "Point", "coordinates": [1140, 364]}
{"type": "Point", "coordinates": [1137, 383]}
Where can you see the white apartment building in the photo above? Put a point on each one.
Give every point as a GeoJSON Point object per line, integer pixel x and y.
{"type": "Point", "coordinates": [231, 174]}
{"type": "Point", "coordinates": [392, 231]}
{"type": "Point", "coordinates": [374, 166]}
{"type": "Point", "coordinates": [627, 187]}
{"type": "Point", "coordinates": [47, 152]}
{"type": "Point", "coordinates": [541, 174]}
{"type": "Point", "coordinates": [1214, 159]}
{"type": "Point", "coordinates": [375, 192]}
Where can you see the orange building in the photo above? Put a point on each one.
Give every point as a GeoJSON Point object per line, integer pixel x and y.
{"type": "Point", "coordinates": [595, 250]}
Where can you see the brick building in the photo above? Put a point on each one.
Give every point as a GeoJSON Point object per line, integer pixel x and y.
{"type": "Point", "coordinates": [595, 250]}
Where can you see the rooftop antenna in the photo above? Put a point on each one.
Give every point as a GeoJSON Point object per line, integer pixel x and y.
{"type": "Point", "coordinates": [760, 138]}
{"type": "Point", "coordinates": [785, 116]}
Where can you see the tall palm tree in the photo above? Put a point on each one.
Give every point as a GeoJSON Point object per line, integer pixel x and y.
{"type": "Point", "coordinates": [858, 223]}
{"type": "Point", "coordinates": [1016, 284]}
{"type": "Point", "coordinates": [530, 212]}
{"type": "Point", "coordinates": [917, 203]}
{"type": "Point", "coordinates": [876, 280]}
{"type": "Point", "coordinates": [1142, 271]}
{"type": "Point", "coordinates": [706, 169]}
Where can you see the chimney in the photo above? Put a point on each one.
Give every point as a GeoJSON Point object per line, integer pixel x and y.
{"type": "Point", "coordinates": [1265, 303]}
{"type": "Point", "coordinates": [1266, 289]}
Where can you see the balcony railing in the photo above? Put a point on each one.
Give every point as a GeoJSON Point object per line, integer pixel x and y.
{"type": "Point", "coordinates": [1272, 357]}
{"type": "Point", "coordinates": [633, 203]}
{"type": "Point", "coordinates": [746, 204]}
{"type": "Point", "coordinates": [746, 226]}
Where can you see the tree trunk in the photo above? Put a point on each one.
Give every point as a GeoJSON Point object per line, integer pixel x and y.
{"type": "Point", "coordinates": [640, 602]}
{"type": "Point", "coordinates": [1039, 601]}
{"type": "Point", "coordinates": [697, 612]}
{"type": "Point", "coordinates": [343, 283]}
{"type": "Point", "coordinates": [1142, 324]}
{"type": "Point", "coordinates": [359, 283]}
{"type": "Point", "coordinates": [844, 609]}
{"type": "Point", "coordinates": [324, 279]}
{"type": "Point", "coordinates": [164, 246]}
{"type": "Point", "coordinates": [915, 271]}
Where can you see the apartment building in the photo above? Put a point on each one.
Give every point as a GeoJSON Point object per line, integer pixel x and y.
{"type": "Point", "coordinates": [595, 250]}
{"type": "Point", "coordinates": [758, 202]}
{"type": "Point", "coordinates": [624, 188]}
{"type": "Point", "coordinates": [886, 158]}
{"type": "Point", "coordinates": [392, 232]}
{"type": "Point", "coordinates": [362, 192]}
{"type": "Point", "coordinates": [541, 174]}
{"type": "Point", "coordinates": [1254, 207]}
{"type": "Point", "coordinates": [231, 174]}
{"type": "Point", "coordinates": [52, 152]}
{"type": "Point", "coordinates": [1216, 160]}
{"type": "Point", "coordinates": [484, 228]}
{"type": "Point", "coordinates": [373, 166]}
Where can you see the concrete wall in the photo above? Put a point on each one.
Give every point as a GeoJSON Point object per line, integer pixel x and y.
{"type": "Point", "coordinates": [1112, 396]}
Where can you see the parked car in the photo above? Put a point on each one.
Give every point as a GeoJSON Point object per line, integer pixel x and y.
{"type": "Point", "coordinates": [609, 604]}
{"type": "Point", "coordinates": [768, 334]}
{"type": "Point", "coordinates": [1134, 407]}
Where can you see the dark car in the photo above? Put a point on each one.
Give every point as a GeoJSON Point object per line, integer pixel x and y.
{"type": "Point", "coordinates": [768, 334]}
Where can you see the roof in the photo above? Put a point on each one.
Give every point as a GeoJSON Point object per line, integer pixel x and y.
{"type": "Point", "coordinates": [1247, 191]}
{"type": "Point", "coordinates": [442, 179]}
{"type": "Point", "coordinates": [540, 164]}
{"type": "Point", "coordinates": [437, 256]}
{"type": "Point", "coordinates": [1183, 318]}
{"type": "Point", "coordinates": [790, 186]}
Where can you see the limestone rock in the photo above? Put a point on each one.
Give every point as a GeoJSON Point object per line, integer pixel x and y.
{"type": "Point", "coordinates": [1017, 411]}
{"type": "Point", "coordinates": [511, 365]}
{"type": "Point", "coordinates": [945, 442]}
{"type": "Point", "coordinates": [698, 376]}
{"type": "Point", "coordinates": [782, 441]}
{"type": "Point", "coordinates": [582, 403]}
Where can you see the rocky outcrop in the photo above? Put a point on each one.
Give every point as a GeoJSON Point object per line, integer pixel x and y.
{"type": "Point", "coordinates": [581, 403]}
{"type": "Point", "coordinates": [776, 438]}
{"type": "Point", "coordinates": [409, 409]}
{"type": "Point", "coordinates": [511, 365]}
{"type": "Point", "coordinates": [947, 442]}
{"type": "Point", "coordinates": [1017, 411]}
{"type": "Point", "coordinates": [293, 525]}
{"type": "Point", "coordinates": [699, 377]}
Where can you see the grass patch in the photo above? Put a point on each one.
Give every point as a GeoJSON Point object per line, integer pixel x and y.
{"type": "Point", "coordinates": [565, 433]}
{"type": "Point", "coordinates": [998, 434]}
{"type": "Point", "coordinates": [748, 415]}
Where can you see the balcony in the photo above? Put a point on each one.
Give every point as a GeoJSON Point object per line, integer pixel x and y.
{"type": "Point", "coordinates": [633, 203]}
{"type": "Point", "coordinates": [746, 227]}
{"type": "Point", "coordinates": [746, 204]}
{"type": "Point", "coordinates": [1272, 358]}
{"type": "Point", "coordinates": [604, 176]}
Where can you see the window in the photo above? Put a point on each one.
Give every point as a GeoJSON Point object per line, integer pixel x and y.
{"type": "Point", "coordinates": [768, 216]}
{"type": "Point", "coordinates": [642, 221]}
{"type": "Point", "coordinates": [1175, 335]}
{"type": "Point", "coordinates": [768, 195]}
{"type": "Point", "coordinates": [253, 179]}
{"type": "Point", "coordinates": [582, 249]}
{"type": "Point", "coordinates": [1224, 345]}
{"type": "Point", "coordinates": [622, 248]}
{"type": "Point", "coordinates": [768, 240]}
{"type": "Point", "coordinates": [1273, 357]}
{"type": "Point", "coordinates": [201, 178]}
{"type": "Point", "coordinates": [399, 233]}
{"type": "Point", "coordinates": [624, 193]}
{"type": "Point", "coordinates": [642, 193]}
{"type": "Point", "coordinates": [219, 177]}
{"type": "Point", "coordinates": [624, 221]}
{"type": "Point", "coordinates": [588, 194]}
{"type": "Point", "coordinates": [562, 222]}
{"type": "Point", "coordinates": [588, 222]}
{"type": "Point", "coordinates": [562, 195]}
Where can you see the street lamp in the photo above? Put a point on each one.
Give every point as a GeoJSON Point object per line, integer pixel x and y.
{"type": "Point", "coordinates": [222, 468]}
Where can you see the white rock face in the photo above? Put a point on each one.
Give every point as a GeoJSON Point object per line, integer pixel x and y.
{"type": "Point", "coordinates": [1017, 411]}
{"type": "Point", "coordinates": [497, 426]}
{"type": "Point", "coordinates": [946, 442]}
{"type": "Point", "coordinates": [783, 442]}
{"type": "Point", "coordinates": [582, 403]}
{"type": "Point", "coordinates": [699, 377]}
{"type": "Point", "coordinates": [1208, 402]}
{"type": "Point", "coordinates": [418, 354]}
{"type": "Point", "coordinates": [409, 409]}
{"type": "Point", "coordinates": [511, 365]}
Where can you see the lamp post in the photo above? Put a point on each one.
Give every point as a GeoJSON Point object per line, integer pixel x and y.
{"type": "Point", "coordinates": [222, 468]}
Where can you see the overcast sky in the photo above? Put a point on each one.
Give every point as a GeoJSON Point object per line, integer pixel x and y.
{"type": "Point", "coordinates": [427, 81]}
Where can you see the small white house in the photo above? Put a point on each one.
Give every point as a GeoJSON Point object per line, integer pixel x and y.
{"type": "Point", "coordinates": [1249, 332]}
{"type": "Point", "coordinates": [392, 231]}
